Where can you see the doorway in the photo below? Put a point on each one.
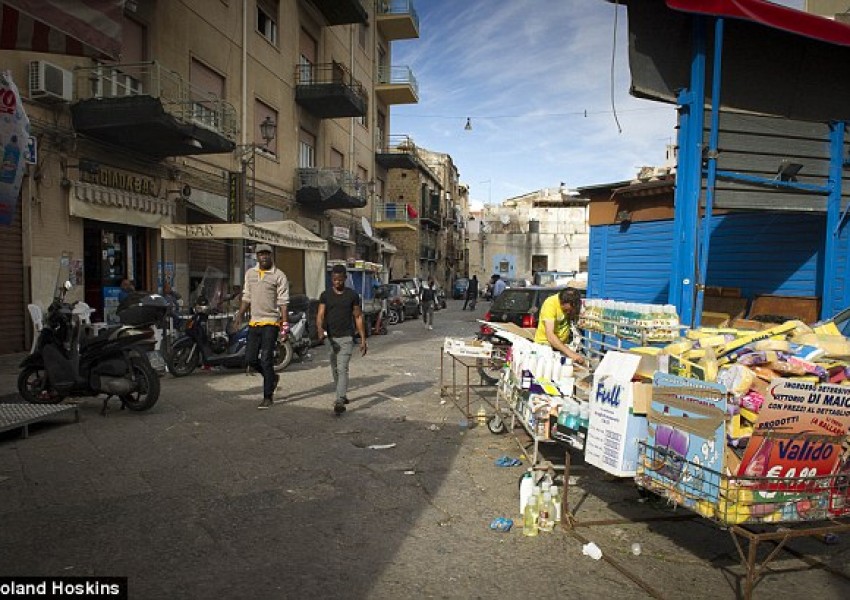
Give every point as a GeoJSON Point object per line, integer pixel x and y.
{"type": "Point", "coordinates": [112, 253]}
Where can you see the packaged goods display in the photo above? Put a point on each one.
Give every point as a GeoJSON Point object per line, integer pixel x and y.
{"type": "Point", "coordinates": [630, 320]}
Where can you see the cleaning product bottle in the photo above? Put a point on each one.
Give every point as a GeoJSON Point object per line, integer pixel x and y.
{"type": "Point", "coordinates": [526, 485]}
{"type": "Point", "coordinates": [529, 520]}
{"type": "Point", "coordinates": [556, 503]}
{"type": "Point", "coordinates": [481, 415]}
{"type": "Point", "coordinates": [545, 515]}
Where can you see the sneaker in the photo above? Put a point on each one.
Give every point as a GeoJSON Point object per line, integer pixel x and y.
{"type": "Point", "coordinates": [265, 404]}
{"type": "Point", "coordinates": [339, 407]}
{"type": "Point", "coordinates": [345, 400]}
{"type": "Point", "coordinates": [430, 327]}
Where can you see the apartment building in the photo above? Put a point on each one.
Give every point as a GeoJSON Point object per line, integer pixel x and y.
{"type": "Point", "coordinates": [544, 230]}
{"type": "Point", "coordinates": [423, 212]}
{"type": "Point", "coordinates": [265, 116]}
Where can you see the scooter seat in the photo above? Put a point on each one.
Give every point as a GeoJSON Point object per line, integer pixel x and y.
{"type": "Point", "coordinates": [294, 317]}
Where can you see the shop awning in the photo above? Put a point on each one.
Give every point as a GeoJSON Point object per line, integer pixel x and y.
{"type": "Point", "coordinates": [111, 205]}
{"type": "Point", "coordinates": [776, 60]}
{"type": "Point", "coordinates": [90, 28]}
{"type": "Point", "coordinates": [286, 234]}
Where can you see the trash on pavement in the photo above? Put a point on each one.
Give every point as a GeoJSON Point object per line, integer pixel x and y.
{"type": "Point", "coordinates": [501, 524]}
{"type": "Point", "coordinates": [507, 461]}
{"type": "Point", "coordinates": [381, 446]}
{"type": "Point", "coordinates": [592, 550]}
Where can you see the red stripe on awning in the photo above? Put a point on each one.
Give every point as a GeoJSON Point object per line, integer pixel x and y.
{"type": "Point", "coordinates": [770, 15]}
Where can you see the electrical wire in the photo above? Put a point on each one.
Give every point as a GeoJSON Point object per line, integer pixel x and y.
{"type": "Point", "coordinates": [613, 56]}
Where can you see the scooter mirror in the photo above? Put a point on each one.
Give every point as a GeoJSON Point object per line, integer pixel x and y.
{"type": "Point", "coordinates": [69, 286]}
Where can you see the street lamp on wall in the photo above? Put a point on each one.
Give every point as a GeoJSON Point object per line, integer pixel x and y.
{"type": "Point", "coordinates": [248, 158]}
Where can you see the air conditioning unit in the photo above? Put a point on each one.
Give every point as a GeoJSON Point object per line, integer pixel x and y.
{"type": "Point", "coordinates": [49, 82]}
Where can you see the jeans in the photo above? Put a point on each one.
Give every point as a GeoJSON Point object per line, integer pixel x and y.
{"type": "Point", "coordinates": [428, 313]}
{"type": "Point", "coordinates": [260, 354]}
{"type": "Point", "coordinates": [470, 300]}
{"type": "Point", "coordinates": [341, 350]}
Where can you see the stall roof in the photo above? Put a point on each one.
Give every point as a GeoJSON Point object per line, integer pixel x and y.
{"type": "Point", "coordinates": [286, 234]}
{"type": "Point", "coordinates": [771, 15]}
{"type": "Point", "coordinates": [776, 60]}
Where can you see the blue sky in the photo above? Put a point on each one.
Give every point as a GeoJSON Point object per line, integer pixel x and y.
{"type": "Point", "coordinates": [525, 72]}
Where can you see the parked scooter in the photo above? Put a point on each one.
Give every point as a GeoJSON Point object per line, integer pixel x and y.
{"type": "Point", "coordinates": [294, 340]}
{"type": "Point", "coordinates": [196, 347]}
{"type": "Point", "coordinates": [67, 364]}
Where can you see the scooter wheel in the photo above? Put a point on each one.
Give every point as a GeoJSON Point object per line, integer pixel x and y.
{"type": "Point", "coordinates": [32, 386]}
{"type": "Point", "coordinates": [283, 355]}
{"type": "Point", "coordinates": [183, 359]}
{"type": "Point", "coordinates": [496, 425]}
{"type": "Point", "coordinates": [146, 393]}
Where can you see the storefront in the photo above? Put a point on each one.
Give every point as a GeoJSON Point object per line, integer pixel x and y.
{"type": "Point", "coordinates": [120, 212]}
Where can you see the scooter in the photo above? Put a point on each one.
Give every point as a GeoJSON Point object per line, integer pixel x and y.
{"type": "Point", "coordinates": [294, 339]}
{"type": "Point", "coordinates": [197, 348]}
{"type": "Point", "coordinates": [66, 364]}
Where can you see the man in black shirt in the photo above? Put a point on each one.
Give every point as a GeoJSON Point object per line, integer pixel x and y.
{"type": "Point", "coordinates": [338, 306]}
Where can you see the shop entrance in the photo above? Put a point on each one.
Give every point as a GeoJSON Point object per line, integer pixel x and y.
{"type": "Point", "coordinates": [112, 253]}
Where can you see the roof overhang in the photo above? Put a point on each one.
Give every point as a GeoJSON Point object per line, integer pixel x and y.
{"type": "Point", "coordinates": [285, 234]}
{"type": "Point", "coordinates": [775, 59]}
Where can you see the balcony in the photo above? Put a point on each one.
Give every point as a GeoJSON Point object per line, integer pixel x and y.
{"type": "Point", "coordinates": [324, 189]}
{"type": "Point", "coordinates": [329, 91]}
{"type": "Point", "coordinates": [342, 12]}
{"type": "Point", "coordinates": [399, 153]}
{"type": "Point", "coordinates": [395, 216]}
{"type": "Point", "coordinates": [152, 110]}
{"type": "Point", "coordinates": [397, 20]}
{"type": "Point", "coordinates": [429, 254]}
{"type": "Point", "coordinates": [397, 85]}
{"type": "Point", "coordinates": [432, 215]}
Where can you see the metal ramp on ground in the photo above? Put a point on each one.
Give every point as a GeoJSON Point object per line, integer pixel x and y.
{"type": "Point", "coordinates": [21, 416]}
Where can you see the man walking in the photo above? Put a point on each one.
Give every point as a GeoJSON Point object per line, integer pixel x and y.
{"type": "Point", "coordinates": [427, 299]}
{"type": "Point", "coordinates": [471, 293]}
{"type": "Point", "coordinates": [338, 307]}
{"type": "Point", "coordinates": [266, 293]}
{"type": "Point", "coordinates": [499, 286]}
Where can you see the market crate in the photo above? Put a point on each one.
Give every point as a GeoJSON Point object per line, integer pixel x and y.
{"type": "Point", "coordinates": [733, 500]}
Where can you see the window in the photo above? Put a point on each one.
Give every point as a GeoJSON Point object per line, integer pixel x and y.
{"type": "Point", "coordinates": [308, 51]}
{"type": "Point", "coordinates": [207, 89]}
{"type": "Point", "coordinates": [261, 112]}
{"type": "Point", "coordinates": [306, 150]}
{"type": "Point", "coordinates": [267, 19]}
{"type": "Point", "coordinates": [364, 118]}
{"type": "Point", "coordinates": [381, 124]}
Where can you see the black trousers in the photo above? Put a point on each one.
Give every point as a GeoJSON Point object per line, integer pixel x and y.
{"type": "Point", "coordinates": [259, 352]}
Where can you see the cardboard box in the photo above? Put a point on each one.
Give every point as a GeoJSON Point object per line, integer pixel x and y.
{"type": "Point", "coordinates": [615, 429]}
{"type": "Point", "coordinates": [468, 348]}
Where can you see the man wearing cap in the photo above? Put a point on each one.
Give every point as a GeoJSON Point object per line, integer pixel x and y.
{"type": "Point", "coordinates": [266, 293]}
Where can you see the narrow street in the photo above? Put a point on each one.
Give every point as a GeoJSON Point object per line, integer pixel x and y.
{"type": "Point", "coordinates": [206, 496]}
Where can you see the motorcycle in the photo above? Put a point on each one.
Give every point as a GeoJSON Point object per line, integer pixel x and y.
{"type": "Point", "coordinates": [294, 339]}
{"type": "Point", "coordinates": [66, 363]}
{"type": "Point", "coordinates": [198, 347]}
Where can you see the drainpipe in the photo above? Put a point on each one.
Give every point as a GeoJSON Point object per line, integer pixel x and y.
{"type": "Point", "coordinates": [244, 135]}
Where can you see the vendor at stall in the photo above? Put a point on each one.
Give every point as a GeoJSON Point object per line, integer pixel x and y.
{"type": "Point", "coordinates": [557, 314]}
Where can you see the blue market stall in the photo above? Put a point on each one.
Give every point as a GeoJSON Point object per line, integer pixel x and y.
{"type": "Point", "coordinates": [763, 101]}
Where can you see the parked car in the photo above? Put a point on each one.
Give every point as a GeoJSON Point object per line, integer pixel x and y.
{"type": "Point", "coordinates": [518, 305]}
{"type": "Point", "coordinates": [409, 301]}
{"type": "Point", "coordinates": [459, 288]}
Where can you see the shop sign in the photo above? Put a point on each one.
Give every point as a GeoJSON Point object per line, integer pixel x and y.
{"type": "Point", "coordinates": [342, 233]}
{"type": "Point", "coordinates": [234, 197]}
{"type": "Point", "coordinates": [113, 178]}
{"type": "Point", "coordinates": [14, 133]}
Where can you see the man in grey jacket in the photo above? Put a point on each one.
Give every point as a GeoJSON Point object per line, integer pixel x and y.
{"type": "Point", "coordinates": [266, 293]}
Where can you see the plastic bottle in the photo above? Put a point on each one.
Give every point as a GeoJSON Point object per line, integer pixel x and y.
{"type": "Point", "coordinates": [481, 415]}
{"type": "Point", "coordinates": [529, 520]}
{"type": "Point", "coordinates": [556, 502]}
{"type": "Point", "coordinates": [546, 514]}
{"type": "Point", "coordinates": [526, 485]}
{"type": "Point", "coordinates": [592, 550]}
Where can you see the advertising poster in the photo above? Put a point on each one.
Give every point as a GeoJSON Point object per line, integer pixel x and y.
{"type": "Point", "coordinates": [110, 305]}
{"type": "Point", "coordinates": [14, 138]}
{"type": "Point", "coordinates": [799, 433]}
{"type": "Point", "coordinates": [687, 436]}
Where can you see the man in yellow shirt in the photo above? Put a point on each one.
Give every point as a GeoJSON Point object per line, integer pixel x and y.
{"type": "Point", "coordinates": [266, 293]}
{"type": "Point", "coordinates": [558, 312]}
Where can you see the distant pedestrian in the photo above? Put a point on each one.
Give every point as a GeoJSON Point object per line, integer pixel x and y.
{"type": "Point", "coordinates": [266, 293]}
{"type": "Point", "coordinates": [338, 308]}
{"type": "Point", "coordinates": [499, 286]}
{"type": "Point", "coordinates": [428, 298]}
{"type": "Point", "coordinates": [126, 289]}
{"type": "Point", "coordinates": [471, 293]}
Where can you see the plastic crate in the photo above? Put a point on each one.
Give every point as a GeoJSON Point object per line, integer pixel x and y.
{"type": "Point", "coordinates": [732, 500]}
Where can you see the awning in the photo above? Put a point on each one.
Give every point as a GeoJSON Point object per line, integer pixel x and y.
{"type": "Point", "coordinates": [770, 15]}
{"type": "Point", "coordinates": [286, 234]}
{"type": "Point", "coordinates": [90, 28]}
{"type": "Point", "coordinates": [776, 60]}
{"type": "Point", "coordinates": [111, 205]}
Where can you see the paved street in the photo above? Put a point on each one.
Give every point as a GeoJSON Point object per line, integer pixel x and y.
{"type": "Point", "coordinates": [206, 496]}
